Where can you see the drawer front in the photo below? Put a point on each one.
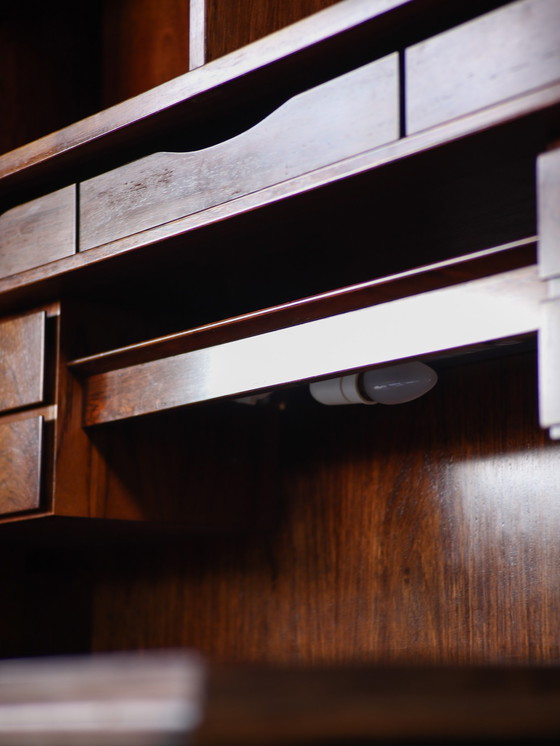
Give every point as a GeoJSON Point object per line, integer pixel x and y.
{"type": "Point", "coordinates": [347, 115]}
{"type": "Point", "coordinates": [22, 361]}
{"type": "Point", "coordinates": [38, 232]}
{"type": "Point", "coordinates": [20, 465]}
{"type": "Point", "coordinates": [497, 56]}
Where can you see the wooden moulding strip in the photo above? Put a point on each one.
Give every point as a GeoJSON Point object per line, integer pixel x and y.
{"type": "Point", "coordinates": [514, 255]}
{"type": "Point", "coordinates": [492, 308]}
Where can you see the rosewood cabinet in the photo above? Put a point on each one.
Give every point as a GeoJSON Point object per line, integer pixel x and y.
{"type": "Point", "coordinates": [373, 184]}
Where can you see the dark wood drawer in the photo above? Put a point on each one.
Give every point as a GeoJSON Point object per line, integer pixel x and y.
{"type": "Point", "coordinates": [38, 232]}
{"type": "Point", "coordinates": [495, 57]}
{"type": "Point", "coordinates": [345, 116]}
{"type": "Point", "coordinates": [22, 361]}
{"type": "Point", "coordinates": [20, 464]}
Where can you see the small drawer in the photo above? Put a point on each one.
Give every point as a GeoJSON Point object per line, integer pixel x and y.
{"type": "Point", "coordinates": [345, 116]}
{"type": "Point", "coordinates": [20, 465]}
{"type": "Point", "coordinates": [502, 54]}
{"type": "Point", "coordinates": [22, 361]}
{"type": "Point", "coordinates": [38, 232]}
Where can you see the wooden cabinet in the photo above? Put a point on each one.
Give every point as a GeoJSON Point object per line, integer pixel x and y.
{"type": "Point", "coordinates": [342, 194]}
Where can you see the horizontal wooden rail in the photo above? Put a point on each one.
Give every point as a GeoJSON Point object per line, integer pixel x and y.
{"type": "Point", "coordinates": [535, 113]}
{"type": "Point", "coordinates": [122, 699]}
{"type": "Point", "coordinates": [449, 272]}
{"type": "Point", "coordinates": [164, 698]}
{"type": "Point", "coordinates": [478, 311]}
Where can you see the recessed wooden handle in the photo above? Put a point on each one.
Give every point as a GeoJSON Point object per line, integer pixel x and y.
{"type": "Point", "coordinates": [347, 115]}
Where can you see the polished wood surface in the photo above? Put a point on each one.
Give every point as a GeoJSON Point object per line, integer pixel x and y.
{"type": "Point", "coordinates": [22, 362]}
{"type": "Point", "coordinates": [548, 174]}
{"type": "Point", "coordinates": [38, 232]}
{"type": "Point", "coordinates": [299, 56]}
{"type": "Point", "coordinates": [20, 464]}
{"type": "Point", "coordinates": [345, 705]}
{"type": "Point", "coordinates": [49, 57]}
{"type": "Point", "coordinates": [352, 113]}
{"type": "Point", "coordinates": [197, 33]}
{"type": "Point", "coordinates": [420, 533]}
{"type": "Point", "coordinates": [430, 277]}
{"type": "Point", "coordinates": [115, 700]}
{"type": "Point", "coordinates": [231, 24]}
{"type": "Point", "coordinates": [492, 58]}
{"type": "Point", "coordinates": [523, 112]}
{"type": "Point", "coordinates": [548, 167]}
{"type": "Point", "coordinates": [472, 313]}
{"type": "Point", "coordinates": [159, 699]}
{"type": "Point", "coordinates": [549, 365]}
{"type": "Point", "coordinates": [145, 43]}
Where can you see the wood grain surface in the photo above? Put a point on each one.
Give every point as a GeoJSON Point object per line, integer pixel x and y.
{"type": "Point", "coordinates": [425, 533]}
{"type": "Point", "coordinates": [548, 195]}
{"type": "Point", "coordinates": [20, 465]}
{"type": "Point", "coordinates": [549, 365]}
{"type": "Point", "coordinates": [548, 191]}
{"type": "Point", "coordinates": [361, 704]}
{"type": "Point", "coordinates": [446, 273]}
{"type": "Point", "coordinates": [197, 33]}
{"type": "Point", "coordinates": [145, 43]}
{"type": "Point", "coordinates": [49, 77]}
{"type": "Point", "coordinates": [126, 700]}
{"type": "Point", "coordinates": [345, 116]}
{"type": "Point", "coordinates": [233, 24]}
{"type": "Point", "coordinates": [346, 36]}
{"type": "Point", "coordinates": [498, 56]}
{"type": "Point", "coordinates": [22, 360]}
{"type": "Point", "coordinates": [493, 308]}
{"type": "Point", "coordinates": [38, 232]}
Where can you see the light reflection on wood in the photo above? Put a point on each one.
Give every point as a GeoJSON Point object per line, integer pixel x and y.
{"type": "Point", "coordinates": [492, 308]}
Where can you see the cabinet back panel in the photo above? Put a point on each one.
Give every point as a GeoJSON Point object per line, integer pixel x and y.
{"type": "Point", "coordinates": [231, 24]}
{"type": "Point", "coordinates": [420, 533]}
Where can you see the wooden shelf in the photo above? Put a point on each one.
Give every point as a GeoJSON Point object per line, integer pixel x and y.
{"type": "Point", "coordinates": [529, 119]}
{"type": "Point", "coordinates": [326, 44]}
{"type": "Point", "coordinates": [280, 346]}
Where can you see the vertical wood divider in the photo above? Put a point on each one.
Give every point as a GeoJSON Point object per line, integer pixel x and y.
{"type": "Point", "coordinates": [197, 33]}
